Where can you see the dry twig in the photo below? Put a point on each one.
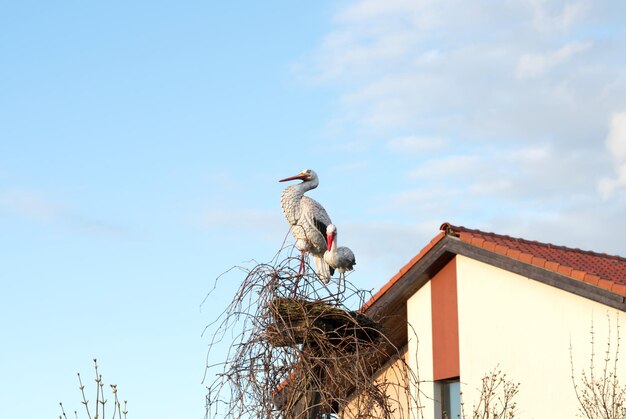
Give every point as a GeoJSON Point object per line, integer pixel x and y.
{"type": "Point", "coordinates": [496, 398]}
{"type": "Point", "coordinates": [601, 396]}
{"type": "Point", "coordinates": [100, 403]}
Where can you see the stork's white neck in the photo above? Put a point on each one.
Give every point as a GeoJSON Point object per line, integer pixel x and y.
{"type": "Point", "coordinates": [291, 196]}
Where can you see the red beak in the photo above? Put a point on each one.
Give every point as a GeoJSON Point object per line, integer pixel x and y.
{"type": "Point", "coordinates": [330, 237]}
{"type": "Point", "coordinates": [292, 178]}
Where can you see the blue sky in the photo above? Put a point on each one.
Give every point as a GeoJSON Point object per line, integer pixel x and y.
{"type": "Point", "coordinates": [141, 144]}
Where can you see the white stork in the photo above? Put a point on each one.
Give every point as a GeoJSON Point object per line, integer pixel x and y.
{"type": "Point", "coordinates": [340, 258]}
{"type": "Point", "coordinates": [308, 221]}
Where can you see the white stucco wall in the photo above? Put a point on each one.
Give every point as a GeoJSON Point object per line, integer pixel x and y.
{"type": "Point", "coordinates": [523, 328]}
{"type": "Point", "coordinates": [420, 352]}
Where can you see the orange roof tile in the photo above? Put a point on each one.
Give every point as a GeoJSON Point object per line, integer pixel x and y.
{"type": "Point", "coordinates": [605, 271]}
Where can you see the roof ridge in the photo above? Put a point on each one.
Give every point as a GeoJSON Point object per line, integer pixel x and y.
{"type": "Point", "coordinates": [450, 229]}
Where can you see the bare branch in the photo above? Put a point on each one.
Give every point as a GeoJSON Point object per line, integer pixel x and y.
{"type": "Point", "coordinates": [601, 396]}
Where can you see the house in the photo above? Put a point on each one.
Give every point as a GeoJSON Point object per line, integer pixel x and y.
{"type": "Point", "coordinates": [471, 302]}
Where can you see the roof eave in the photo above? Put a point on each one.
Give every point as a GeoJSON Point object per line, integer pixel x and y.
{"type": "Point", "coordinates": [389, 304]}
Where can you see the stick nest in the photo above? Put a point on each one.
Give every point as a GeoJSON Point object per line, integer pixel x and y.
{"type": "Point", "coordinates": [301, 322]}
{"type": "Point", "coordinates": [291, 348]}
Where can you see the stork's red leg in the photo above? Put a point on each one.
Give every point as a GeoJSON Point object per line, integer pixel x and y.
{"type": "Point", "coordinates": [300, 273]}
{"type": "Point", "coordinates": [301, 270]}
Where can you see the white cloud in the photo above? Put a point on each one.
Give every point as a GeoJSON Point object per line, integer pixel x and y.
{"type": "Point", "coordinates": [374, 10]}
{"type": "Point", "coordinates": [369, 34]}
{"type": "Point", "coordinates": [492, 187]}
{"type": "Point", "coordinates": [586, 225]}
{"type": "Point", "coordinates": [549, 16]}
{"type": "Point", "coordinates": [519, 90]}
{"type": "Point", "coordinates": [537, 153]}
{"type": "Point", "coordinates": [447, 167]}
{"type": "Point", "coordinates": [253, 224]}
{"type": "Point", "coordinates": [616, 139]}
{"type": "Point", "coordinates": [414, 145]}
{"type": "Point", "coordinates": [34, 206]}
{"type": "Point", "coordinates": [616, 145]}
{"type": "Point", "coordinates": [536, 65]}
{"type": "Point", "coordinates": [350, 147]}
{"type": "Point", "coordinates": [487, 183]}
{"type": "Point", "coordinates": [475, 73]}
{"type": "Point", "coordinates": [608, 185]}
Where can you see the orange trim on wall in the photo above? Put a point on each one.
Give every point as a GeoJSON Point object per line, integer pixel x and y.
{"type": "Point", "coordinates": [445, 327]}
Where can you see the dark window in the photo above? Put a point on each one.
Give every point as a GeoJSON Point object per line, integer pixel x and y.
{"type": "Point", "coordinates": [449, 399]}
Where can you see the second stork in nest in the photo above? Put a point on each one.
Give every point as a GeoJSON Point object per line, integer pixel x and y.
{"type": "Point", "coordinates": [338, 257]}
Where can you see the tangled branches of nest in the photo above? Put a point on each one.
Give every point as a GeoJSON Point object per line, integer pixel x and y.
{"type": "Point", "coordinates": [297, 351]}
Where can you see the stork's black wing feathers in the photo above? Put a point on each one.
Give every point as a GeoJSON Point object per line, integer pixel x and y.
{"type": "Point", "coordinates": [321, 227]}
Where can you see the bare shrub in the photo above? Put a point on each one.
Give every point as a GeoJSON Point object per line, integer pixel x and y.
{"type": "Point", "coordinates": [600, 394]}
{"type": "Point", "coordinates": [496, 398]}
{"type": "Point", "coordinates": [100, 402]}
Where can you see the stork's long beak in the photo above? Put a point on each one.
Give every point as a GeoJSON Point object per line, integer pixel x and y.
{"type": "Point", "coordinates": [301, 176]}
{"type": "Point", "coordinates": [329, 238]}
